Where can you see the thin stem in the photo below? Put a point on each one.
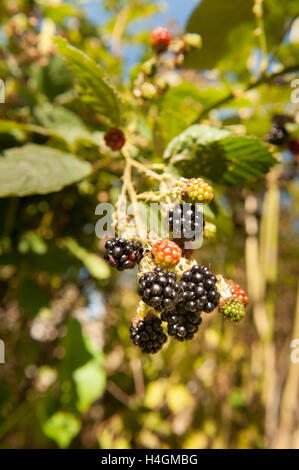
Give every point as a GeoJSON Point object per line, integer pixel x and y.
{"type": "Point", "coordinates": [263, 80]}
{"type": "Point", "coordinates": [143, 169]}
{"type": "Point", "coordinates": [258, 11]}
{"type": "Point", "coordinates": [128, 187]}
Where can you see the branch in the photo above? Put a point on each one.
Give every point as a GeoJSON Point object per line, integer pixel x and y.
{"type": "Point", "coordinates": [251, 86]}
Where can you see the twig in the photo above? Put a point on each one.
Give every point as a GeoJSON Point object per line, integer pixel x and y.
{"type": "Point", "coordinates": [258, 11]}
{"type": "Point", "coordinates": [263, 80]}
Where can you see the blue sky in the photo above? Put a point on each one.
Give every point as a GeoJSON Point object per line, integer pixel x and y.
{"type": "Point", "coordinates": [177, 11]}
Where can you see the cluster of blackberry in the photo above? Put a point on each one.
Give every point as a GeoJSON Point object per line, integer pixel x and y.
{"type": "Point", "coordinates": [181, 324]}
{"type": "Point", "coordinates": [123, 254]}
{"type": "Point", "coordinates": [199, 290]}
{"type": "Point", "coordinates": [147, 333]}
{"type": "Point", "coordinates": [180, 304]}
{"type": "Point", "coordinates": [185, 222]}
{"type": "Point", "coordinates": [159, 289]}
{"type": "Point", "coordinates": [233, 302]}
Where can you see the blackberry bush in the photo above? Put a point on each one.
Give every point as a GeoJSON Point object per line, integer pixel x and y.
{"type": "Point", "coordinates": [159, 289]}
{"type": "Point", "coordinates": [123, 254]}
{"type": "Point", "coordinates": [147, 333]}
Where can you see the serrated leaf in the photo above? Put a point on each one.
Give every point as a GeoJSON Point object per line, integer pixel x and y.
{"type": "Point", "coordinates": [215, 154]}
{"type": "Point", "coordinates": [96, 89]}
{"type": "Point", "coordinates": [37, 169]}
{"type": "Point", "coordinates": [62, 427]}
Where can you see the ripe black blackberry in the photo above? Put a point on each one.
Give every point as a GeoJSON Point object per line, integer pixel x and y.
{"type": "Point", "coordinates": [147, 333]}
{"type": "Point", "coordinates": [185, 222]}
{"type": "Point", "coordinates": [182, 325]}
{"type": "Point", "coordinates": [199, 292]}
{"type": "Point", "coordinates": [277, 135]}
{"type": "Point", "coordinates": [123, 254]}
{"type": "Point", "coordinates": [159, 289]}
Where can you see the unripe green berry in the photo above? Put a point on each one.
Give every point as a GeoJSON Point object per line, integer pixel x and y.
{"type": "Point", "coordinates": [233, 310]}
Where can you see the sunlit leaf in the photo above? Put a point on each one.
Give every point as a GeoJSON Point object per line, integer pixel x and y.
{"type": "Point", "coordinates": [62, 427]}
{"type": "Point", "coordinates": [214, 153]}
{"type": "Point", "coordinates": [37, 169]}
{"type": "Point", "coordinates": [96, 89]}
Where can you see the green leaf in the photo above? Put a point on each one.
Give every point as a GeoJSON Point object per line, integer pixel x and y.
{"type": "Point", "coordinates": [96, 89]}
{"type": "Point", "coordinates": [227, 30]}
{"type": "Point", "coordinates": [215, 154]}
{"type": "Point", "coordinates": [179, 108]}
{"type": "Point", "coordinates": [62, 427]}
{"type": "Point", "coordinates": [90, 381]}
{"type": "Point", "coordinates": [95, 265]}
{"type": "Point", "coordinates": [66, 124]}
{"type": "Point", "coordinates": [214, 20]}
{"type": "Point", "coordinates": [76, 351]}
{"type": "Point", "coordinates": [37, 169]}
{"type": "Point", "coordinates": [31, 297]}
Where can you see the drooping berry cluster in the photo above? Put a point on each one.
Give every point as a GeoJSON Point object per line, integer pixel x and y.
{"type": "Point", "coordinates": [185, 222]}
{"type": "Point", "coordinates": [166, 252]}
{"type": "Point", "coordinates": [181, 324]}
{"type": "Point", "coordinates": [159, 289]}
{"type": "Point", "coordinates": [233, 301]}
{"type": "Point", "coordinates": [199, 292]}
{"type": "Point", "coordinates": [195, 190]}
{"type": "Point", "coordinates": [233, 310]}
{"type": "Point", "coordinates": [115, 139]}
{"type": "Point", "coordinates": [123, 254]}
{"type": "Point", "coordinates": [147, 333]}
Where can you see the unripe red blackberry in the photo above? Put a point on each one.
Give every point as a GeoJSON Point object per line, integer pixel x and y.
{"type": "Point", "coordinates": [166, 253]}
{"type": "Point", "coordinates": [237, 292]}
{"type": "Point", "coordinates": [277, 135]}
{"type": "Point", "coordinates": [160, 39]}
{"type": "Point", "coordinates": [233, 310]}
{"type": "Point", "coordinates": [159, 289]}
{"type": "Point", "coordinates": [123, 254]}
{"type": "Point", "coordinates": [181, 324]}
{"type": "Point", "coordinates": [147, 333]}
{"type": "Point", "coordinates": [195, 190]}
{"type": "Point", "coordinates": [115, 139]}
{"type": "Point", "coordinates": [185, 222]}
{"type": "Point", "coordinates": [200, 293]}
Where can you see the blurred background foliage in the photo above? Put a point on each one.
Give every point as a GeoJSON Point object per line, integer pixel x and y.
{"type": "Point", "coordinates": [72, 378]}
